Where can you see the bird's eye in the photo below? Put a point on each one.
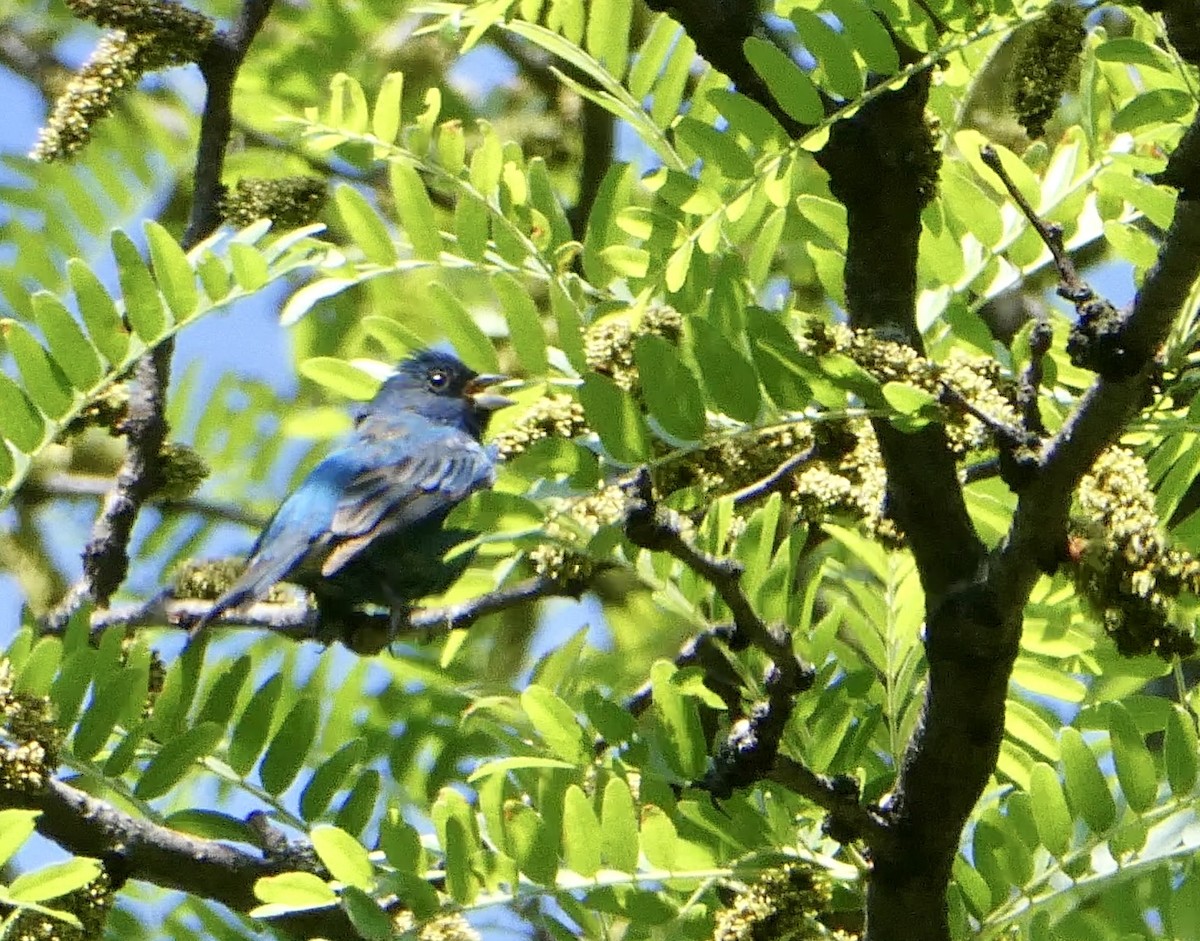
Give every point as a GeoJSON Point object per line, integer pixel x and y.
{"type": "Point", "coordinates": [438, 379]}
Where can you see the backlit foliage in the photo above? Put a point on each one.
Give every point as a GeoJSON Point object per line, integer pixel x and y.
{"type": "Point", "coordinates": [679, 306]}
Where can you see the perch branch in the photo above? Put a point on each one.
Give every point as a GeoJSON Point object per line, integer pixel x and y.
{"type": "Point", "coordinates": [298, 621]}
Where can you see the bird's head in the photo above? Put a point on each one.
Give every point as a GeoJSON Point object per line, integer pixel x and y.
{"type": "Point", "coordinates": [438, 386]}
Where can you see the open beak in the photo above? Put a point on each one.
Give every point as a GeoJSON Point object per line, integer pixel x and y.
{"type": "Point", "coordinates": [476, 391]}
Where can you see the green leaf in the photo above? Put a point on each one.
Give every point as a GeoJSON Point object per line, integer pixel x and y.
{"type": "Point", "coordinates": [867, 33]}
{"type": "Point", "coordinates": [556, 724]}
{"type": "Point", "coordinates": [359, 805]}
{"type": "Point", "coordinates": [365, 226]}
{"type": "Point", "coordinates": [108, 705]}
{"type": "Point", "coordinates": [342, 377]}
{"type": "Point", "coordinates": [1135, 764]}
{"type": "Point", "coordinates": [619, 833]}
{"type": "Point", "coordinates": [250, 268]}
{"type": "Point", "coordinates": [70, 347]}
{"type": "Point", "coordinates": [50, 882]}
{"type": "Point", "coordinates": [401, 844]}
{"type": "Point", "coordinates": [778, 360]}
{"type": "Point", "coordinates": [612, 195]}
{"type": "Point", "coordinates": [614, 414]}
{"type": "Point", "coordinates": [658, 837]}
{"type": "Point", "coordinates": [1181, 751]}
{"type": "Point", "coordinates": [172, 270]}
{"type": "Point", "coordinates": [45, 382]}
{"type": "Point", "coordinates": [1152, 107]}
{"type": "Point", "coordinates": [1050, 812]}
{"type": "Point", "coordinates": [514, 762]}
{"type": "Point", "coordinates": [461, 882]}
{"type": "Point", "coordinates": [747, 117]}
{"type": "Point", "coordinates": [836, 67]}
{"type": "Point", "coordinates": [608, 34]}
{"type": "Point", "coordinates": [179, 691]}
{"type": "Point", "coordinates": [525, 328]}
{"type": "Point", "coordinates": [327, 780]}
{"type": "Point", "coordinates": [1029, 728]}
{"type": "Point", "coordinates": [672, 394]}
{"type": "Point", "coordinates": [680, 717]}
{"type": "Point", "coordinates": [369, 919]}
{"type": "Point", "coordinates": [348, 109]}
{"type": "Point", "coordinates": [386, 118]}
{"type": "Point", "coordinates": [176, 758]}
{"type": "Point", "coordinates": [288, 750]}
{"type": "Point", "coordinates": [716, 148]}
{"type": "Point", "coordinates": [678, 266]}
{"type": "Point", "coordinates": [37, 672]}
{"type": "Point", "coordinates": [581, 834]}
{"type": "Point", "coordinates": [98, 311]}
{"type": "Point", "coordinates": [416, 894]}
{"type": "Point", "coordinates": [530, 846]}
{"type": "Point", "coordinates": [496, 512]}
{"type": "Point", "coordinates": [415, 210]}
{"type": "Point", "coordinates": [16, 826]}
{"type": "Point", "coordinates": [20, 422]}
{"type": "Point", "coordinates": [672, 81]}
{"type": "Point", "coordinates": [211, 824]}
{"type": "Point", "coordinates": [214, 276]}
{"type": "Point", "coordinates": [1086, 788]}
{"type": "Point", "coordinates": [1134, 52]}
{"type": "Point", "coordinates": [222, 698]}
{"type": "Point", "coordinates": [729, 379]}
{"type": "Point", "coordinates": [471, 228]}
{"type": "Point", "coordinates": [650, 57]}
{"type": "Point", "coordinates": [906, 399]}
{"type": "Point", "coordinates": [144, 310]}
{"type": "Point", "coordinates": [460, 328]}
{"type": "Point", "coordinates": [293, 891]}
{"type": "Point", "coordinates": [344, 857]}
{"type": "Point", "coordinates": [252, 729]}
{"type": "Point", "coordinates": [1131, 244]}
{"type": "Point", "coordinates": [788, 84]}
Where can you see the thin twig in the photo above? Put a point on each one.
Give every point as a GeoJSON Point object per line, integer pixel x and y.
{"type": "Point", "coordinates": [839, 796]}
{"type": "Point", "coordinates": [1040, 338]}
{"type": "Point", "coordinates": [703, 650]}
{"type": "Point", "coordinates": [778, 479]}
{"type": "Point", "coordinates": [650, 527]}
{"type": "Point", "coordinates": [1073, 287]}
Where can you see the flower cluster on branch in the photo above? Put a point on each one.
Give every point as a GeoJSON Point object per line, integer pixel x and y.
{"type": "Point", "coordinates": [35, 739]}
{"type": "Point", "coordinates": [145, 36]}
{"type": "Point", "coordinates": [1123, 563]}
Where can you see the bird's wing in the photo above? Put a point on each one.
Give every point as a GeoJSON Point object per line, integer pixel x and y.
{"type": "Point", "coordinates": [300, 523]}
{"type": "Point", "coordinates": [414, 480]}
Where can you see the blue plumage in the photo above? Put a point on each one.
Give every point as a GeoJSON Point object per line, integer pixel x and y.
{"type": "Point", "coordinates": [366, 524]}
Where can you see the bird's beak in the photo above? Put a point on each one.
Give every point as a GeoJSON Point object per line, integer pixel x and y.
{"type": "Point", "coordinates": [476, 391]}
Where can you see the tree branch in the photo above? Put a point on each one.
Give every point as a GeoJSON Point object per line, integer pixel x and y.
{"type": "Point", "coordinates": [973, 628]}
{"type": "Point", "coordinates": [299, 621]}
{"type": "Point", "coordinates": [839, 796]}
{"type": "Point", "coordinates": [106, 556]}
{"type": "Point", "coordinates": [87, 826]}
{"type": "Point", "coordinates": [720, 28]}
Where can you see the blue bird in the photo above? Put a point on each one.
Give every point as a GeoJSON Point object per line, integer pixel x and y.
{"type": "Point", "coordinates": [366, 524]}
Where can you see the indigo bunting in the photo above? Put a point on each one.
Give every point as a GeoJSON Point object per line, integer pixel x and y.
{"type": "Point", "coordinates": [366, 524]}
